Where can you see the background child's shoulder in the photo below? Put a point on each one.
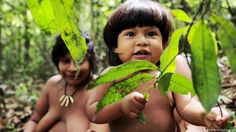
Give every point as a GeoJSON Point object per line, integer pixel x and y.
{"type": "Point", "coordinates": [54, 80]}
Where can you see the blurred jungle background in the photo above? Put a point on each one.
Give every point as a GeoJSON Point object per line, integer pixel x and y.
{"type": "Point", "coordinates": [25, 53]}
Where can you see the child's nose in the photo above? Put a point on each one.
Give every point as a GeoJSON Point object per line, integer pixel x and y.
{"type": "Point", "coordinates": [142, 41]}
{"type": "Point", "coordinates": [72, 66]}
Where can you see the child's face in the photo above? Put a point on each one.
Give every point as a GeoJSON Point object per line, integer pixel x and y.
{"type": "Point", "coordinates": [68, 70]}
{"type": "Point", "coordinates": [139, 43]}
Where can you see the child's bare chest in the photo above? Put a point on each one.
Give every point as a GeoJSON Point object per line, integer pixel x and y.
{"type": "Point", "coordinates": [158, 112]}
{"type": "Point", "coordinates": [75, 106]}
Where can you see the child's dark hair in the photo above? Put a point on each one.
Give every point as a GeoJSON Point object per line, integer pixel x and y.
{"type": "Point", "coordinates": [60, 50]}
{"type": "Point", "coordinates": [134, 13]}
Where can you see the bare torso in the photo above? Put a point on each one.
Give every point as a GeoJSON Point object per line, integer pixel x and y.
{"type": "Point", "coordinates": [158, 112]}
{"type": "Point", "coordinates": [72, 118]}
{"type": "Point", "coordinates": [158, 109]}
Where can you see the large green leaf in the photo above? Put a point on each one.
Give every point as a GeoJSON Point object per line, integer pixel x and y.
{"type": "Point", "coordinates": [59, 16]}
{"type": "Point", "coordinates": [117, 91]}
{"type": "Point", "coordinates": [206, 76]}
{"type": "Point", "coordinates": [124, 70]}
{"type": "Point", "coordinates": [181, 15]}
{"type": "Point", "coordinates": [176, 83]}
{"type": "Point", "coordinates": [66, 20]}
{"type": "Point", "coordinates": [43, 14]}
{"type": "Point", "coordinates": [226, 33]}
{"type": "Point", "coordinates": [168, 57]}
{"type": "Point", "coordinates": [164, 82]}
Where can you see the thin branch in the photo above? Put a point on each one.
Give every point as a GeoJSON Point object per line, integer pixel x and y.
{"type": "Point", "coordinates": [206, 8]}
{"type": "Point", "coordinates": [221, 113]}
{"type": "Point", "coordinates": [166, 67]}
{"type": "Point", "coordinates": [225, 86]}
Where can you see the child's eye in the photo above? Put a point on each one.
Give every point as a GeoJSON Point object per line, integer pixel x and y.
{"type": "Point", "coordinates": [130, 34]}
{"type": "Point", "coordinates": [152, 33]}
{"type": "Point", "coordinates": [65, 61]}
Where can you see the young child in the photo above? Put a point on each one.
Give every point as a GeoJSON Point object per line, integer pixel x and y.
{"type": "Point", "coordinates": [61, 106]}
{"type": "Point", "coordinates": [139, 30]}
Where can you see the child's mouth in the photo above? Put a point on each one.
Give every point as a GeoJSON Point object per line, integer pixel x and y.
{"type": "Point", "coordinates": [71, 76]}
{"type": "Point", "coordinates": [142, 55]}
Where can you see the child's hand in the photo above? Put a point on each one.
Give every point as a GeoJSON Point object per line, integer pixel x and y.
{"type": "Point", "coordinates": [133, 104]}
{"type": "Point", "coordinates": [214, 120]}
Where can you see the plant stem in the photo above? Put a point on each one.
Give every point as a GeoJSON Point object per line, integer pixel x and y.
{"type": "Point", "coordinates": [221, 113]}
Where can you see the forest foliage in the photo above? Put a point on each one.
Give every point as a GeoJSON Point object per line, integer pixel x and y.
{"type": "Point", "coordinates": [202, 29]}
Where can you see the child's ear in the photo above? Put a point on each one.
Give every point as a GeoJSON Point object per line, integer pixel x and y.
{"type": "Point", "coordinates": [115, 50]}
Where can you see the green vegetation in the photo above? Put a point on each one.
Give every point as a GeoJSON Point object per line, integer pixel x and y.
{"type": "Point", "coordinates": [203, 25]}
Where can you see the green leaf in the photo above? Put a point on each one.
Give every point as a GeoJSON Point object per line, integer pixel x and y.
{"type": "Point", "coordinates": [168, 57]}
{"type": "Point", "coordinates": [226, 33]}
{"type": "Point", "coordinates": [191, 34]}
{"type": "Point", "coordinates": [176, 83]}
{"type": "Point", "coordinates": [59, 16]}
{"type": "Point", "coordinates": [181, 15]}
{"type": "Point", "coordinates": [124, 70]}
{"type": "Point", "coordinates": [142, 118]}
{"type": "Point", "coordinates": [76, 45]}
{"type": "Point", "coordinates": [66, 20]}
{"type": "Point", "coordinates": [181, 84]}
{"type": "Point", "coordinates": [117, 91]}
{"type": "Point", "coordinates": [206, 78]}
{"type": "Point", "coordinates": [164, 82]}
{"type": "Point", "coordinates": [43, 14]}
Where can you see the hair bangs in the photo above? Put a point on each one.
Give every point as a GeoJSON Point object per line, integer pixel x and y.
{"type": "Point", "coordinates": [136, 18]}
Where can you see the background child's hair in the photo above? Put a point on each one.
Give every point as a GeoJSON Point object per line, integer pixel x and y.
{"type": "Point", "coordinates": [134, 13]}
{"type": "Point", "coordinates": [60, 50]}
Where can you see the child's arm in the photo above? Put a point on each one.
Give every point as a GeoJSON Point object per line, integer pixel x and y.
{"type": "Point", "coordinates": [40, 110]}
{"type": "Point", "coordinates": [131, 105]}
{"type": "Point", "coordinates": [98, 127]}
{"type": "Point", "coordinates": [191, 110]}
{"type": "Point", "coordinates": [30, 126]}
{"type": "Point", "coordinates": [106, 113]}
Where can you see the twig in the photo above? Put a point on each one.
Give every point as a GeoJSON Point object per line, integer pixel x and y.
{"type": "Point", "coordinates": [2, 100]}
{"type": "Point", "coordinates": [166, 67]}
{"type": "Point", "coordinates": [228, 85]}
{"type": "Point", "coordinates": [221, 113]}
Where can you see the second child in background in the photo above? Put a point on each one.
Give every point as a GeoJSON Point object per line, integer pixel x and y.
{"type": "Point", "coordinates": [61, 106]}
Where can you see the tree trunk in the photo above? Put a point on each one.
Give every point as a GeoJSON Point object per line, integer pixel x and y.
{"type": "Point", "coordinates": [92, 14]}
{"type": "Point", "coordinates": [1, 47]}
{"type": "Point", "coordinates": [26, 42]}
{"type": "Point", "coordinates": [46, 55]}
{"type": "Point", "coordinates": [27, 46]}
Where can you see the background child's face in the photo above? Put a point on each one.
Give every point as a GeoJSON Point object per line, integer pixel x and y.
{"type": "Point", "coordinates": [139, 43]}
{"type": "Point", "coordinates": [68, 70]}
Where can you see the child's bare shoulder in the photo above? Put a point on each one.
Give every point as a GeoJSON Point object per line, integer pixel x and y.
{"type": "Point", "coordinates": [54, 79]}
{"type": "Point", "coordinates": [180, 58]}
